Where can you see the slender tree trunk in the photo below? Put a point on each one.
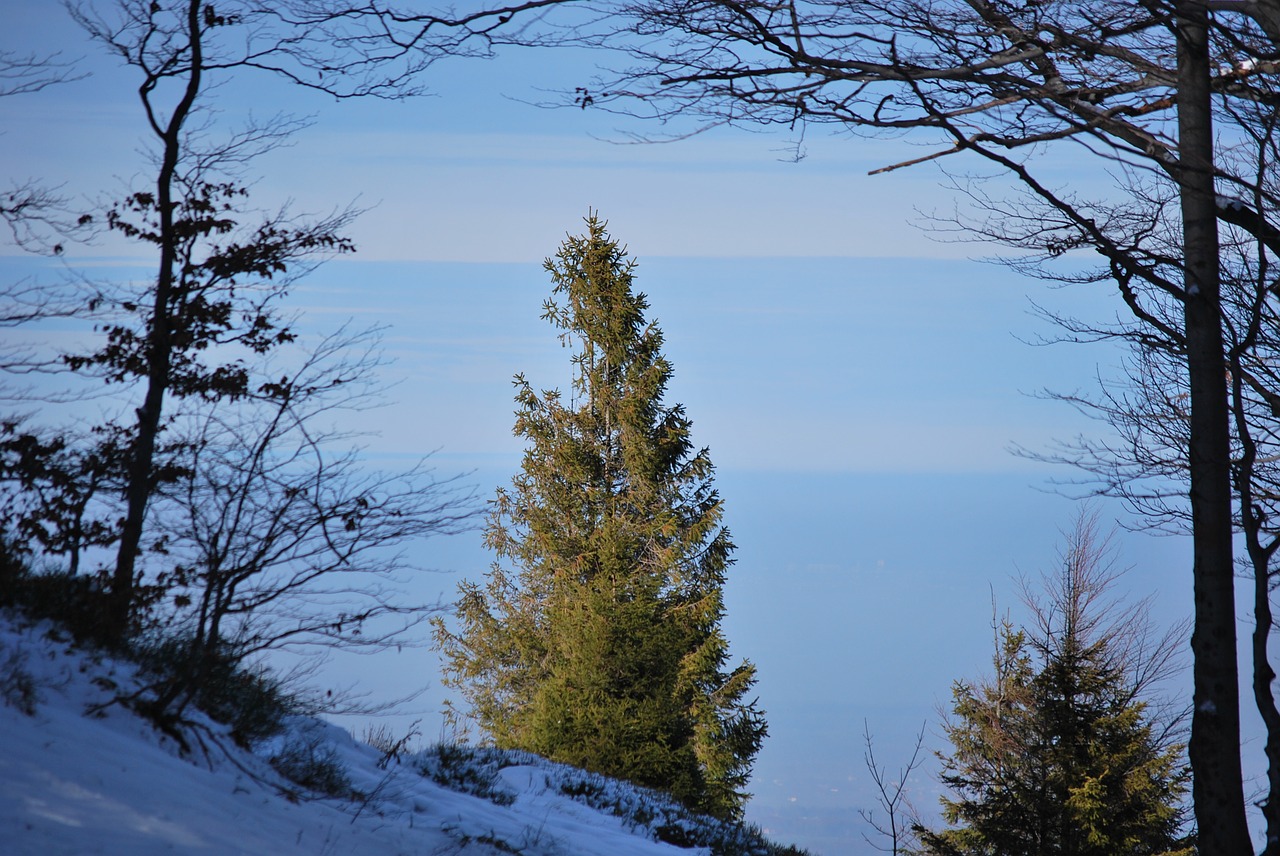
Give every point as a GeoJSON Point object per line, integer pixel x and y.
{"type": "Point", "coordinates": [1264, 674]}
{"type": "Point", "coordinates": [140, 481]}
{"type": "Point", "coordinates": [1214, 750]}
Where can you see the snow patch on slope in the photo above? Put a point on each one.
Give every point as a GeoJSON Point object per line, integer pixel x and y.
{"type": "Point", "coordinates": [80, 774]}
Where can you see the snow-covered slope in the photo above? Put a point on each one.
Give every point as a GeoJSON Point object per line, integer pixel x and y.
{"type": "Point", "coordinates": [81, 775]}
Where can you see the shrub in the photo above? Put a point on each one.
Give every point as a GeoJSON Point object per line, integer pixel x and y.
{"type": "Point", "coordinates": [668, 820]}
{"type": "Point", "coordinates": [309, 762]}
{"type": "Point", "coordinates": [469, 769]}
{"type": "Point", "coordinates": [247, 697]}
{"type": "Point", "coordinates": [75, 602]}
{"type": "Point", "coordinates": [17, 686]}
{"type": "Point", "coordinates": [384, 740]}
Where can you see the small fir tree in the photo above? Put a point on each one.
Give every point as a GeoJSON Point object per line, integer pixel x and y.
{"type": "Point", "coordinates": [596, 639]}
{"type": "Point", "coordinates": [1056, 754]}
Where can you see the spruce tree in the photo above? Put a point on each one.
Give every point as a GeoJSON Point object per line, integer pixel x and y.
{"type": "Point", "coordinates": [1057, 754]}
{"type": "Point", "coordinates": [595, 640]}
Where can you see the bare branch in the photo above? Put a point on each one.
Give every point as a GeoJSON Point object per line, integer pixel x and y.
{"type": "Point", "coordinates": [893, 799]}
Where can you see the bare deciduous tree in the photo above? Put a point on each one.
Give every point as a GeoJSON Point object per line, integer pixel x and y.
{"type": "Point", "coordinates": [180, 49]}
{"type": "Point", "coordinates": [1136, 86]}
{"type": "Point", "coordinates": [278, 536]}
{"type": "Point", "coordinates": [220, 267]}
{"type": "Point", "coordinates": [896, 830]}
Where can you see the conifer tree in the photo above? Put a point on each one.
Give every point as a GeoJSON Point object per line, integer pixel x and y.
{"type": "Point", "coordinates": [595, 640]}
{"type": "Point", "coordinates": [1057, 754]}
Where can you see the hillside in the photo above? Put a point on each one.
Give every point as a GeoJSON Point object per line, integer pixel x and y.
{"type": "Point", "coordinates": [81, 774]}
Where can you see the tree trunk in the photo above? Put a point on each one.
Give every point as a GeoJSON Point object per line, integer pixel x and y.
{"type": "Point", "coordinates": [141, 481]}
{"type": "Point", "coordinates": [1214, 750]}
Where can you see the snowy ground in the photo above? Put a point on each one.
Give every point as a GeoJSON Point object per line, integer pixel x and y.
{"type": "Point", "coordinates": [76, 781]}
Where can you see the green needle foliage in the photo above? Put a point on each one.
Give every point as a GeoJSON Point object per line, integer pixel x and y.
{"type": "Point", "coordinates": [596, 641]}
{"type": "Point", "coordinates": [1057, 754]}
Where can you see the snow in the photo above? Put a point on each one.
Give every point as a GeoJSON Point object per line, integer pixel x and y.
{"type": "Point", "coordinates": [1233, 203]}
{"type": "Point", "coordinates": [82, 775]}
{"type": "Point", "coordinates": [1240, 68]}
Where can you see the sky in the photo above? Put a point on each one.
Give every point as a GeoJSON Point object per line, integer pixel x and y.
{"type": "Point", "coordinates": [859, 382]}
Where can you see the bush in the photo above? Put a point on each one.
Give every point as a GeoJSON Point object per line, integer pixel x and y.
{"type": "Point", "coordinates": [75, 602]}
{"type": "Point", "coordinates": [392, 748]}
{"type": "Point", "coordinates": [469, 769]}
{"type": "Point", "coordinates": [12, 569]}
{"type": "Point", "coordinates": [309, 762]}
{"type": "Point", "coordinates": [249, 698]}
{"type": "Point", "coordinates": [668, 820]}
{"type": "Point", "coordinates": [17, 686]}
{"type": "Point", "coordinates": [216, 680]}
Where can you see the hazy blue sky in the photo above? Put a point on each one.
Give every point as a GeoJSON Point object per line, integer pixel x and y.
{"type": "Point", "coordinates": [858, 383]}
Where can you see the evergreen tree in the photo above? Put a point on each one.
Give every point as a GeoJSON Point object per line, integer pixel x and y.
{"type": "Point", "coordinates": [596, 639]}
{"type": "Point", "coordinates": [1057, 754]}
